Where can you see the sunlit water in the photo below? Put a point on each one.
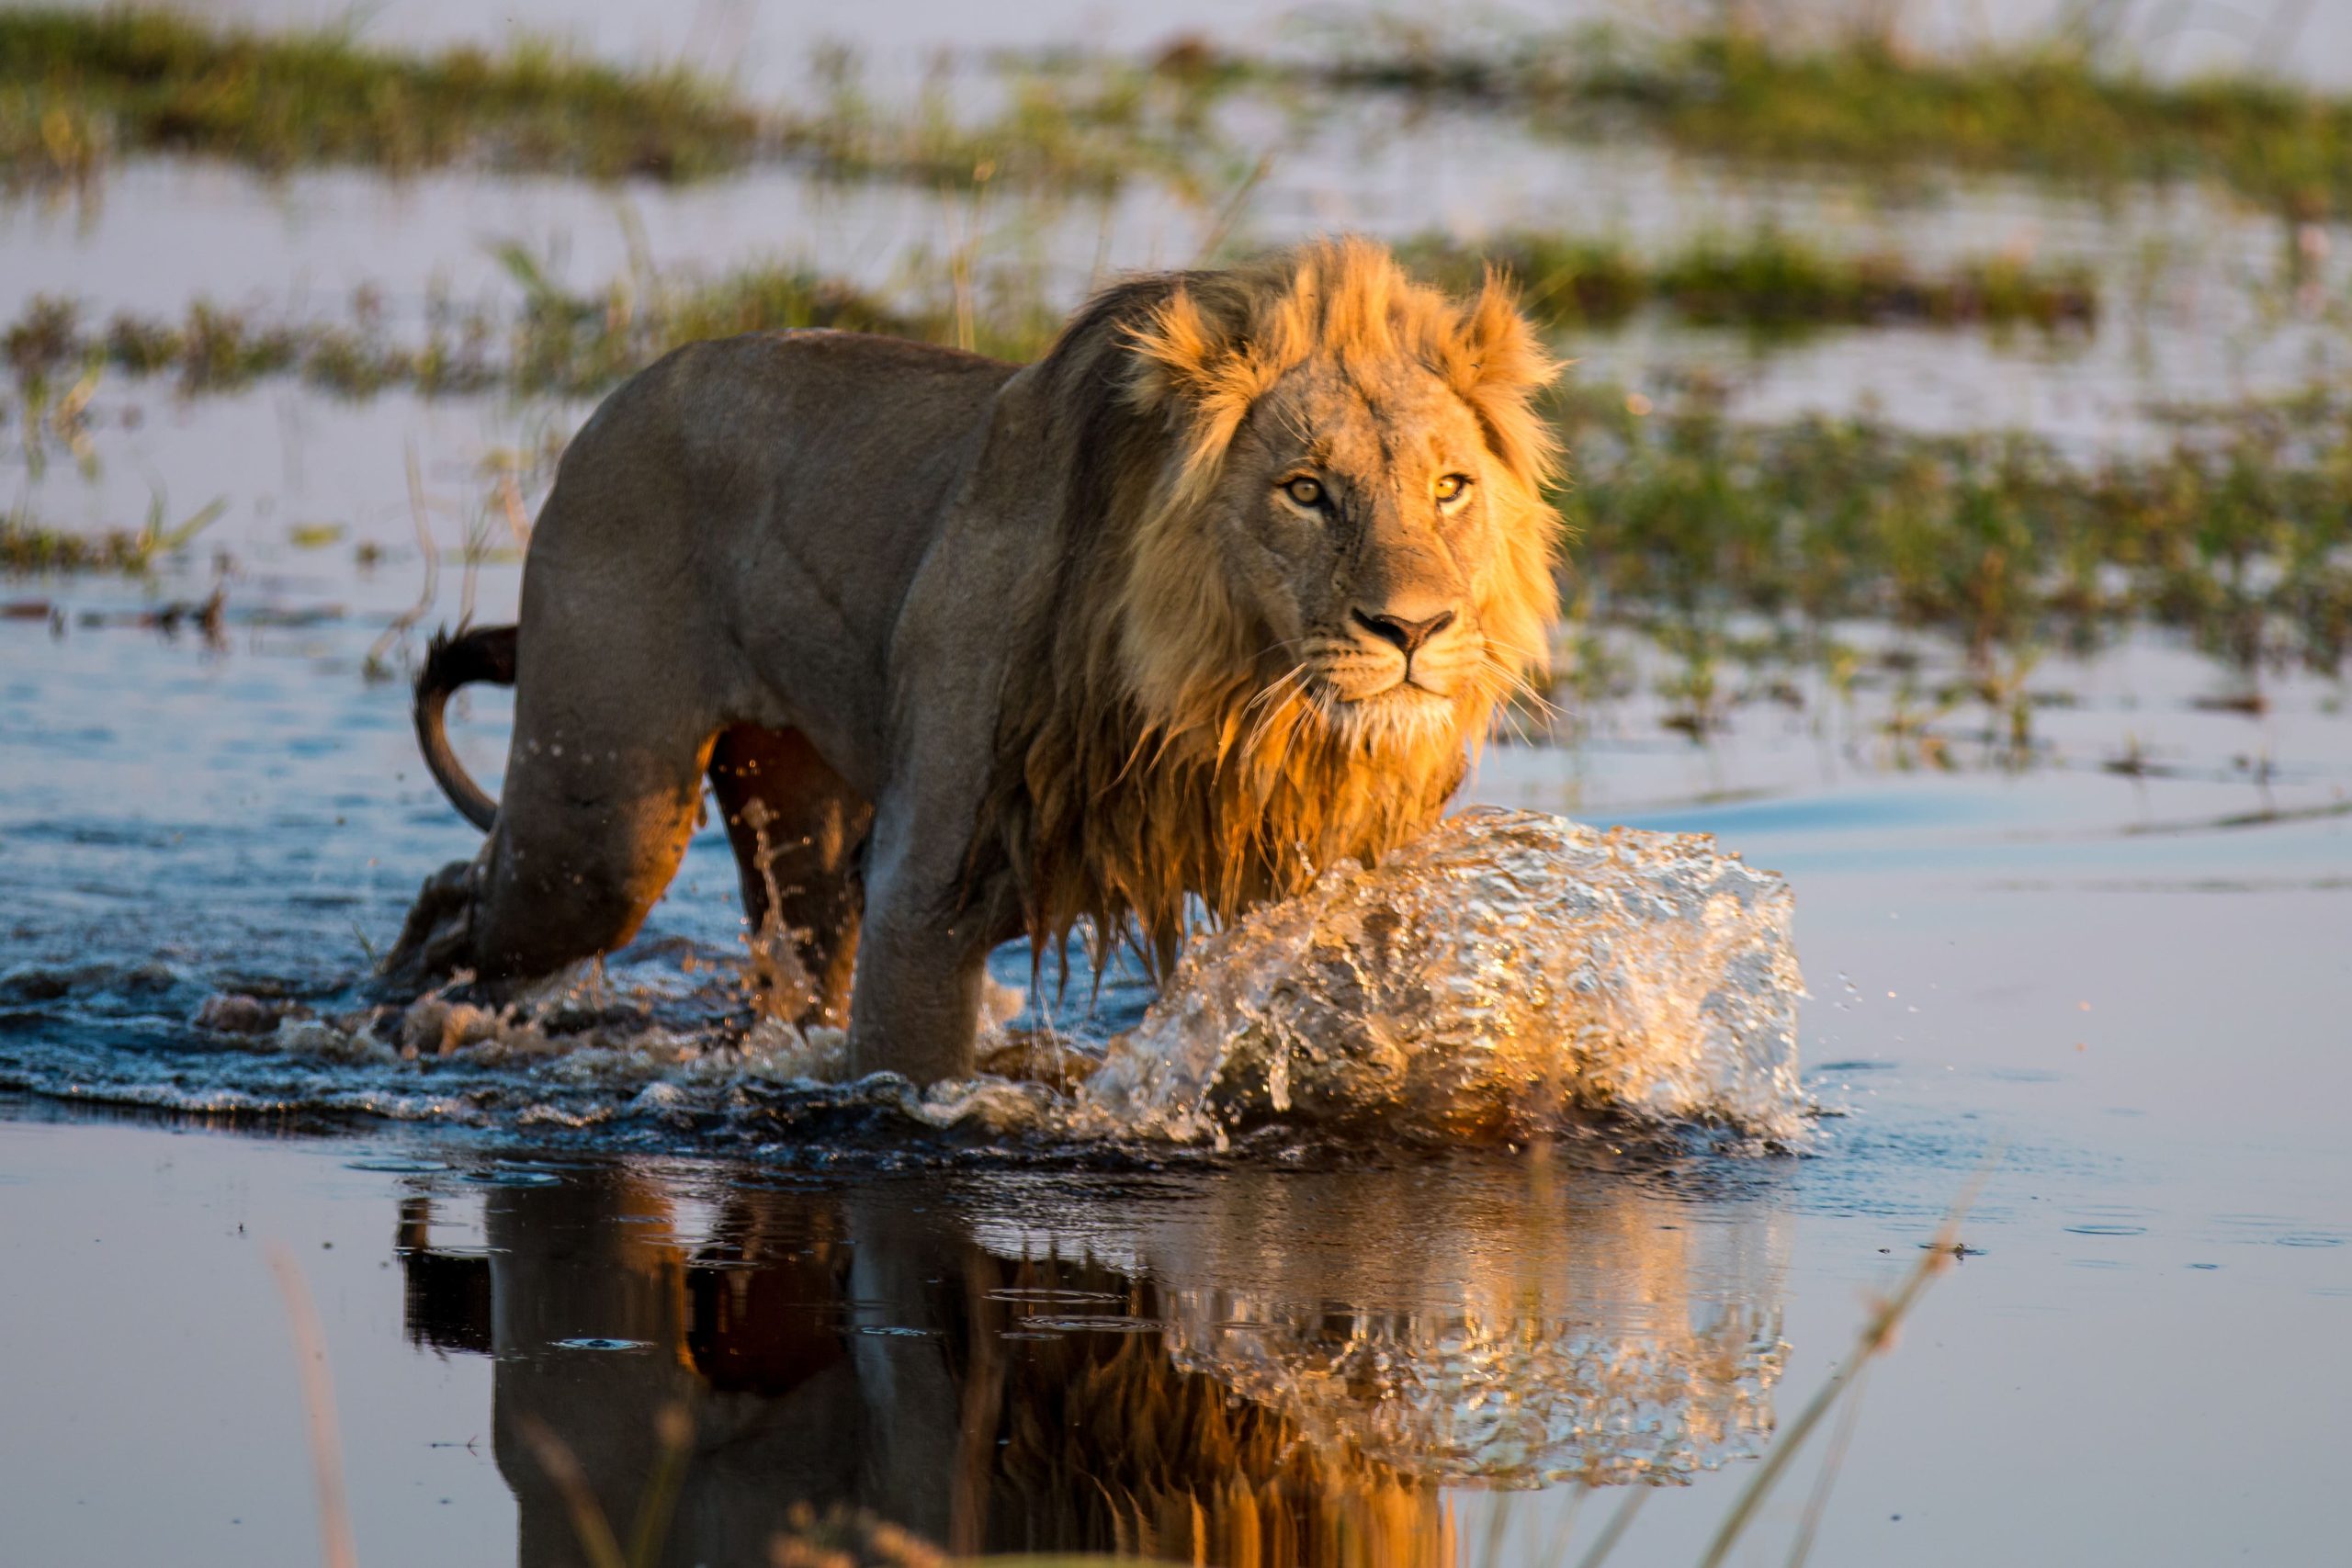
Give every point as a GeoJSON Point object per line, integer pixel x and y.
{"type": "Point", "coordinates": [1505, 969]}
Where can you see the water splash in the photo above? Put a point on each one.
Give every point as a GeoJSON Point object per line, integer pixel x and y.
{"type": "Point", "coordinates": [1506, 971]}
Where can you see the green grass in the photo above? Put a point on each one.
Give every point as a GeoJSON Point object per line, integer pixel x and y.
{"type": "Point", "coordinates": [79, 89]}
{"type": "Point", "coordinates": [1767, 281]}
{"type": "Point", "coordinates": [1857, 99]}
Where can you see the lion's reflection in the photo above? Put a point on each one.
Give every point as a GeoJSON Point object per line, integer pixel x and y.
{"type": "Point", "coordinates": [1269, 1368]}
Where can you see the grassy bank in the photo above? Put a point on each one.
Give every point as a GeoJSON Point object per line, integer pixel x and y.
{"type": "Point", "coordinates": [76, 85]}
{"type": "Point", "coordinates": [79, 89]}
{"type": "Point", "coordinates": [1859, 100]}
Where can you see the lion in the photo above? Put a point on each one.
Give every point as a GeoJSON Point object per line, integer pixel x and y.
{"type": "Point", "coordinates": [1225, 588]}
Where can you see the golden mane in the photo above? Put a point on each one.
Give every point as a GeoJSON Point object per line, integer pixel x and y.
{"type": "Point", "coordinates": [1144, 753]}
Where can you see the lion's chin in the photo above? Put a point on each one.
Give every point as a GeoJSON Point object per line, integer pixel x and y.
{"type": "Point", "coordinates": [1404, 715]}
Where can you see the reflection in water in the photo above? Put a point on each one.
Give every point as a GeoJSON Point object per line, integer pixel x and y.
{"type": "Point", "coordinates": [1266, 1368]}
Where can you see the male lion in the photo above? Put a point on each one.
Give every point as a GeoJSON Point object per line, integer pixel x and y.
{"type": "Point", "coordinates": [1218, 592]}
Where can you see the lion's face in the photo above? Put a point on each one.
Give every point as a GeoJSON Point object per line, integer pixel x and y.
{"type": "Point", "coordinates": [1354, 506]}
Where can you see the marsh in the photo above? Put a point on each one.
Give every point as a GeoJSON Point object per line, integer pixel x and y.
{"type": "Point", "coordinates": [1956, 529]}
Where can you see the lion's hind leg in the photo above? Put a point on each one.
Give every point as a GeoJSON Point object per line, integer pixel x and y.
{"type": "Point", "coordinates": [797, 827]}
{"type": "Point", "coordinates": [438, 936]}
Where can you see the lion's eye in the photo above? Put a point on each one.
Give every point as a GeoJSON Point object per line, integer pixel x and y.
{"type": "Point", "coordinates": [1451, 488]}
{"type": "Point", "coordinates": [1304, 490]}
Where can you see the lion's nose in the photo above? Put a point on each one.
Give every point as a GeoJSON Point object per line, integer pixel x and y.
{"type": "Point", "coordinates": [1407, 636]}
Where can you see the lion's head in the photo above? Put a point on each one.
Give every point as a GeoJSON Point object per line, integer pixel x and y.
{"type": "Point", "coordinates": [1305, 554]}
{"type": "Point", "coordinates": [1350, 509]}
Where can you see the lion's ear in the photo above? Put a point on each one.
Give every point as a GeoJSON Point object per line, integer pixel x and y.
{"type": "Point", "coordinates": [1191, 370]}
{"type": "Point", "coordinates": [1502, 365]}
{"type": "Point", "coordinates": [1177, 352]}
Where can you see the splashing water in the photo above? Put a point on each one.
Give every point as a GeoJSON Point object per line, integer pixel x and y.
{"type": "Point", "coordinates": [1506, 971]}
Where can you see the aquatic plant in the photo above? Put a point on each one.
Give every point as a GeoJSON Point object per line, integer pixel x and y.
{"type": "Point", "coordinates": [2238, 531]}
{"type": "Point", "coordinates": [578, 342]}
{"type": "Point", "coordinates": [27, 546]}
{"type": "Point", "coordinates": [557, 341]}
{"type": "Point", "coordinates": [1767, 280]}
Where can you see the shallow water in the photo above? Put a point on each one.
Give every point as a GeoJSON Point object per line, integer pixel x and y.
{"type": "Point", "coordinates": [2125, 1004]}
{"type": "Point", "coordinates": [2096, 977]}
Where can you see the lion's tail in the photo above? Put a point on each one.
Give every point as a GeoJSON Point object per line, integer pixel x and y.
{"type": "Point", "coordinates": [486, 653]}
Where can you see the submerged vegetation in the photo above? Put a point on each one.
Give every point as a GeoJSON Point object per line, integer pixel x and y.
{"type": "Point", "coordinates": [78, 89]}
{"type": "Point", "coordinates": [1858, 97]}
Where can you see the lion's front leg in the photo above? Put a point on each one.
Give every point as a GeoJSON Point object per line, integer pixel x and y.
{"type": "Point", "coordinates": [437, 938]}
{"type": "Point", "coordinates": [922, 963]}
